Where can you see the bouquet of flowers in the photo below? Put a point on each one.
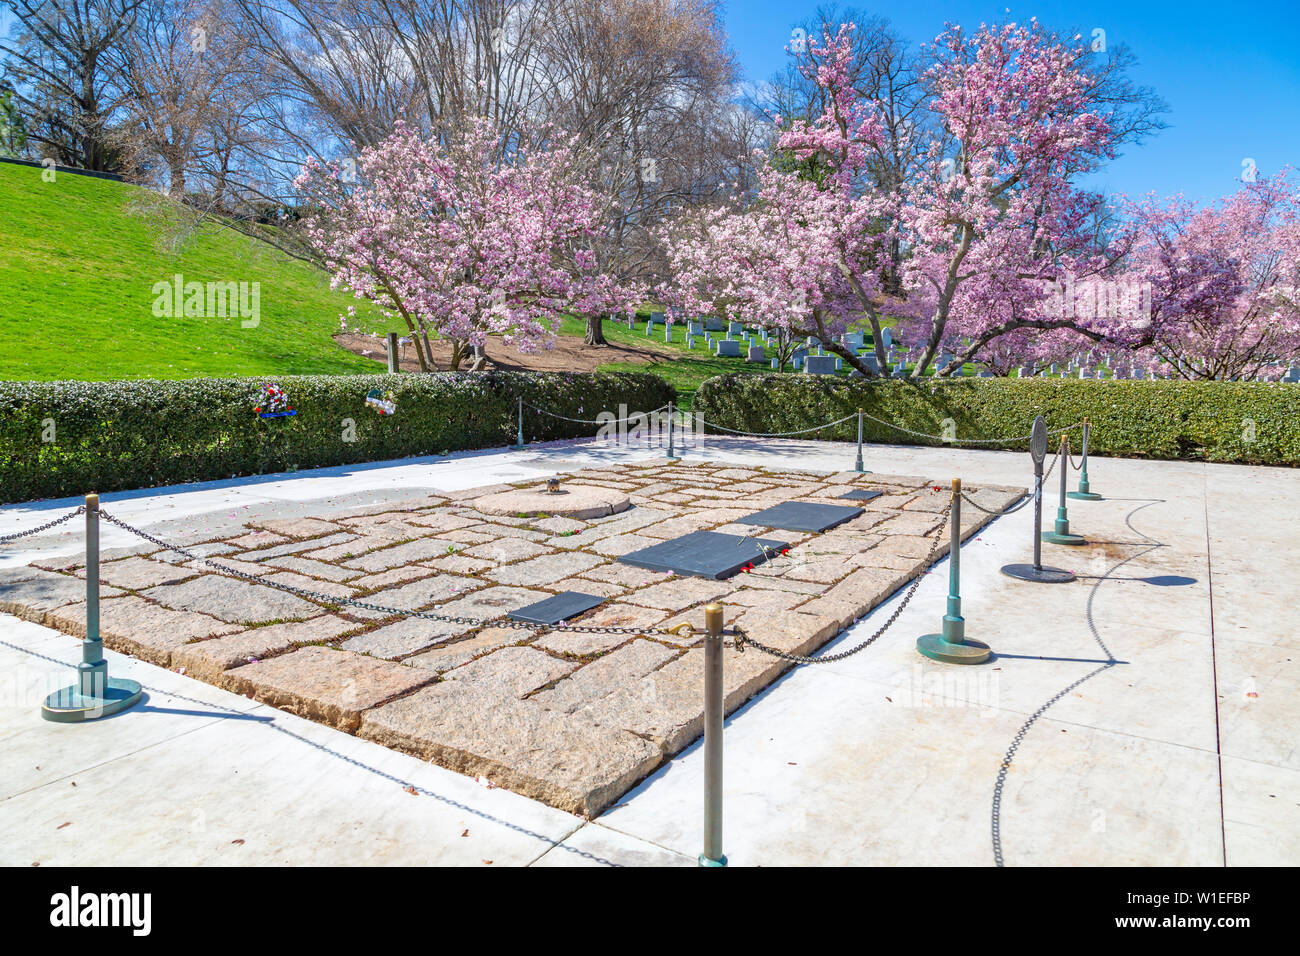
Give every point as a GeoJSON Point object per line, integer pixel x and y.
{"type": "Point", "coordinates": [274, 402]}
{"type": "Point", "coordinates": [382, 402]}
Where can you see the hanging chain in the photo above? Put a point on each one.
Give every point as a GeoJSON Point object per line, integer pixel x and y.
{"type": "Point", "coordinates": [742, 639]}
{"type": "Point", "coordinates": [1071, 457]}
{"type": "Point", "coordinates": [967, 441]}
{"type": "Point", "coordinates": [1047, 474]}
{"type": "Point", "coordinates": [81, 509]}
{"type": "Point", "coordinates": [680, 630]}
{"type": "Point", "coordinates": [800, 431]}
{"type": "Point", "coordinates": [594, 421]}
{"type": "Point", "coordinates": [1006, 511]}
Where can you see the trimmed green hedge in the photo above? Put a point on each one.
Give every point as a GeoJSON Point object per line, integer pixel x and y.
{"type": "Point", "coordinates": [111, 436]}
{"type": "Point", "coordinates": [1247, 422]}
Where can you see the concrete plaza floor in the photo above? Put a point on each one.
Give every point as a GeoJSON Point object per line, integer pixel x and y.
{"type": "Point", "coordinates": [1142, 715]}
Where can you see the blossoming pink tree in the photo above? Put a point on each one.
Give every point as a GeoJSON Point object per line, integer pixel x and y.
{"type": "Point", "coordinates": [802, 255]}
{"type": "Point", "coordinates": [990, 222]}
{"type": "Point", "coordinates": [1225, 282]}
{"type": "Point", "coordinates": [995, 219]}
{"type": "Point", "coordinates": [461, 242]}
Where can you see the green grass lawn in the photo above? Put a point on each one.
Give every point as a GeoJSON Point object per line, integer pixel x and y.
{"type": "Point", "coordinates": [78, 261]}
{"type": "Point", "coordinates": [685, 368]}
{"type": "Point", "coordinates": [79, 258]}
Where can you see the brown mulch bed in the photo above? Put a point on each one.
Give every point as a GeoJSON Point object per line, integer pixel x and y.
{"type": "Point", "coordinates": [570, 354]}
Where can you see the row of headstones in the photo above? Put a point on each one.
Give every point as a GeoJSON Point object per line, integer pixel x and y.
{"type": "Point", "coordinates": [811, 358]}
{"type": "Point", "coordinates": [1291, 376]}
{"type": "Point", "coordinates": [1133, 373]}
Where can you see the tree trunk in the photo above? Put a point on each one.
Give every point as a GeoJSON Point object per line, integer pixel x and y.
{"type": "Point", "coordinates": [419, 354]}
{"type": "Point", "coordinates": [428, 348]}
{"type": "Point", "coordinates": [595, 330]}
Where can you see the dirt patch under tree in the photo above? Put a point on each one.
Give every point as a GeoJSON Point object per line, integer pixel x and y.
{"type": "Point", "coordinates": [570, 354]}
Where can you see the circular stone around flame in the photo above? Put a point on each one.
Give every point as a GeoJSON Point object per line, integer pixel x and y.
{"type": "Point", "coordinates": [571, 501]}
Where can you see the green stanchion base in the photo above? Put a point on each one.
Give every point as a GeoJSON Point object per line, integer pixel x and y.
{"type": "Point", "coordinates": [1052, 537]}
{"type": "Point", "coordinates": [705, 861]}
{"type": "Point", "coordinates": [1043, 575]}
{"type": "Point", "coordinates": [69, 706]}
{"type": "Point", "coordinates": [935, 647]}
{"type": "Point", "coordinates": [1083, 495]}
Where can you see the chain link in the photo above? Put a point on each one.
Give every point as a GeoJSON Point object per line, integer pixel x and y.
{"type": "Point", "coordinates": [1006, 511]}
{"type": "Point", "coordinates": [594, 421]}
{"type": "Point", "coordinates": [680, 630]}
{"type": "Point", "coordinates": [742, 639]}
{"type": "Point", "coordinates": [800, 431]}
{"type": "Point", "coordinates": [1047, 474]}
{"type": "Point", "coordinates": [81, 509]}
{"type": "Point", "coordinates": [967, 441]}
{"type": "Point", "coordinates": [881, 421]}
{"type": "Point", "coordinates": [1071, 457]}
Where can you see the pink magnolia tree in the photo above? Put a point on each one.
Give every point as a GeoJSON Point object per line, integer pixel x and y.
{"type": "Point", "coordinates": [989, 223]}
{"type": "Point", "coordinates": [802, 255]}
{"type": "Point", "coordinates": [464, 240]}
{"type": "Point", "coordinates": [993, 220]}
{"type": "Point", "coordinates": [1224, 282]}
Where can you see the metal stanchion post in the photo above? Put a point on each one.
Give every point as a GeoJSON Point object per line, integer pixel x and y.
{"type": "Point", "coordinates": [1061, 531]}
{"type": "Point", "coordinates": [519, 441]}
{"type": "Point", "coordinates": [952, 646]}
{"type": "Point", "coordinates": [712, 855]}
{"type": "Point", "coordinates": [393, 367]}
{"type": "Point", "coordinates": [1036, 572]}
{"type": "Point", "coordinates": [95, 694]}
{"type": "Point", "coordinates": [858, 467]}
{"type": "Point", "coordinates": [1085, 493]}
{"type": "Point", "coordinates": [672, 419]}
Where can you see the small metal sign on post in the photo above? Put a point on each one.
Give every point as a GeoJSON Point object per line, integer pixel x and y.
{"type": "Point", "coordinates": [1036, 572]}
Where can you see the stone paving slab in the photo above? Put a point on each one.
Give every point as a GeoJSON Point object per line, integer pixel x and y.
{"type": "Point", "coordinates": [573, 765]}
{"type": "Point", "coordinates": [231, 600]}
{"type": "Point", "coordinates": [136, 573]}
{"type": "Point", "coordinates": [209, 660]}
{"type": "Point", "coordinates": [404, 637]}
{"type": "Point", "coordinates": [33, 595]}
{"type": "Point", "coordinates": [327, 685]}
{"type": "Point", "coordinates": [146, 630]}
{"type": "Point", "coordinates": [573, 717]}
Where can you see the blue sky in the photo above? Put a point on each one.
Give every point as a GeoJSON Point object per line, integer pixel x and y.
{"type": "Point", "coordinates": [1229, 72]}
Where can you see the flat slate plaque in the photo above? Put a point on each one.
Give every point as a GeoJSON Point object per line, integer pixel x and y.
{"type": "Point", "coordinates": [553, 610]}
{"type": "Point", "coordinates": [704, 554]}
{"type": "Point", "coordinates": [862, 494]}
{"type": "Point", "coordinates": [802, 516]}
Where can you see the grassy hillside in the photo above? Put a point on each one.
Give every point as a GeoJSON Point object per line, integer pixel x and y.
{"type": "Point", "coordinates": [78, 261]}
{"type": "Point", "coordinates": [79, 258]}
